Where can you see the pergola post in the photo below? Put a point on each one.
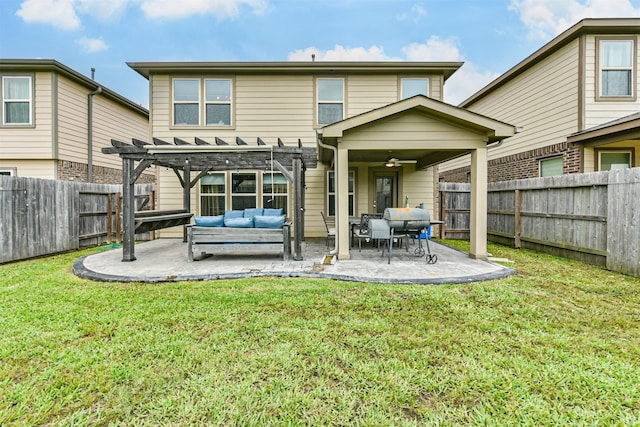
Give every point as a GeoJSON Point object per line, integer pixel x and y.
{"type": "Point", "coordinates": [186, 194]}
{"type": "Point", "coordinates": [128, 211]}
{"type": "Point", "coordinates": [298, 208]}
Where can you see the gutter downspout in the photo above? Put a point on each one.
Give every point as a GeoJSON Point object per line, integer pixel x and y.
{"type": "Point", "coordinates": [90, 132]}
{"type": "Point", "coordinates": [334, 251]}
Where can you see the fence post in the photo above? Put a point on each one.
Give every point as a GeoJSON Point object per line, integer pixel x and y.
{"type": "Point", "coordinates": [118, 218]}
{"type": "Point", "coordinates": [443, 212]}
{"type": "Point", "coordinates": [518, 220]}
{"type": "Point", "coordinates": [109, 218]}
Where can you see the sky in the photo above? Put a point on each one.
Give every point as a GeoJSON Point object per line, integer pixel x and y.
{"type": "Point", "coordinates": [489, 36]}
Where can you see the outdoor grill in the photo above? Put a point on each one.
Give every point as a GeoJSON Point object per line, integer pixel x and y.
{"type": "Point", "coordinates": [406, 222]}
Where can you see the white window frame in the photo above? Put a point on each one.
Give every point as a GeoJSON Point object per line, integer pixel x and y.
{"type": "Point", "coordinates": [6, 100]}
{"type": "Point", "coordinates": [405, 79]}
{"type": "Point", "coordinates": [332, 194]}
{"type": "Point", "coordinates": [175, 102]}
{"type": "Point", "coordinates": [219, 102]}
{"type": "Point", "coordinates": [223, 194]}
{"type": "Point", "coordinates": [234, 194]}
{"type": "Point", "coordinates": [549, 159]}
{"type": "Point", "coordinates": [320, 102]}
{"type": "Point", "coordinates": [266, 191]}
{"type": "Point", "coordinates": [8, 171]}
{"type": "Point", "coordinates": [600, 41]}
{"type": "Point", "coordinates": [600, 152]}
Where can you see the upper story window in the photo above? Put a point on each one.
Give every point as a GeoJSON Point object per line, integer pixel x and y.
{"type": "Point", "coordinates": [616, 67]}
{"type": "Point", "coordinates": [330, 96]}
{"type": "Point", "coordinates": [186, 102]}
{"type": "Point", "coordinates": [188, 109]}
{"type": "Point", "coordinates": [17, 100]}
{"type": "Point", "coordinates": [413, 86]}
{"type": "Point", "coordinates": [218, 102]}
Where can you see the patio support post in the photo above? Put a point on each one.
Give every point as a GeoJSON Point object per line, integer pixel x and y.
{"type": "Point", "coordinates": [478, 235]}
{"type": "Point", "coordinates": [342, 202]}
{"type": "Point", "coordinates": [297, 208]}
{"type": "Point", "coordinates": [128, 211]}
{"type": "Point", "coordinates": [186, 194]}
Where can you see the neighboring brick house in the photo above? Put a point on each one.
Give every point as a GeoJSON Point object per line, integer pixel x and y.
{"type": "Point", "coordinates": [55, 122]}
{"type": "Point", "coordinates": [567, 99]}
{"type": "Point", "coordinates": [379, 127]}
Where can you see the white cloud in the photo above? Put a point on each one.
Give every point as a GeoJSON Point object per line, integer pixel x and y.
{"type": "Point", "coordinates": [340, 53]}
{"type": "Point", "coordinates": [102, 9]}
{"type": "Point", "coordinates": [545, 19]}
{"type": "Point", "coordinates": [464, 83]}
{"type": "Point", "coordinates": [435, 49]}
{"type": "Point", "coordinates": [221, 9]}
{"type": "Point", "coordinates": [59, 13]}
{"type": "Point", "coordinates": [417, 11]}
{"type": "Point", "coordinates": [92, 45]}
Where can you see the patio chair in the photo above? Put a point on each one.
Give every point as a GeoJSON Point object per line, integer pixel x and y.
{"type": "Point", "coordinates": [362, 231]}
{"type": "Point", "coordinates": [331, 229]}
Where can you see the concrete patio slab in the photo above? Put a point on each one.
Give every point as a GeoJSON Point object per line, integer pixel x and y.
{"type": "Point", "coordinates": [165, 260]}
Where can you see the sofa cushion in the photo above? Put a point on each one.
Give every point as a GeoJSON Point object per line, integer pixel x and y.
{"type": "Point", "coordinates": [238, 222]}
{"type": "Point", "coordinates": [210, 221]}
{"type": "Point", "coordinates": [233, 214]}
{"type": "Point", "coordinates": [251, 212]}
{"type": "Point", "coordinates": [268, 221]}
{"type": "Point", "coordinates": [272, 212]}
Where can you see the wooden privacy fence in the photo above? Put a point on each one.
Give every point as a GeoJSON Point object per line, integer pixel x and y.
{"type": "Point", "coordinates": [592, 217]}
{"type": "Point", "coordinates": [40, 217]}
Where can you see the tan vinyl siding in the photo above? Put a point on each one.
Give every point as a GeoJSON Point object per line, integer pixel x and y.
{"type": "Point", "coordinates": [72, 121]}
{"type": "Point", "coordinates": [598, 112]}
{"type": "Point", "coordinates": [368, 92]}
{"type": "Point", "coordinates": [33, 142]}
{"type": "Point", "coordinates": [418, 186]}
{"type": "Point", "coordinates": [113, 121]}
{"type": "Point", "coordinates": [543, 101]}
{"type": "Point", "coordinates": [44, 169]}
{"type": "Point", "coordinates": [169, 196]}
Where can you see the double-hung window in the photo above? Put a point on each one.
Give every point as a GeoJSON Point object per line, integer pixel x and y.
{"type": "Point", "coordinates": [186, 102]}
{"type": "Point", "coordinates": [330, 96]}
{"type": "Point", "coordinates": [244, 190]}
{"type": "Point", "coordinates": [411, 86]}
{"type": "Point", "coordinates": [331, 193]}
{"type": "Point", "coordinates": [197, 101]}
{"type": "Point", "coordinates": [213, 194]}
{"type": "Point", "coordinates": [218, 102]}
{"type": "Point", "coordinates": [275, 191]}
{"type": "Point", "coordinates": [616, 68]}
{"type": "Point", "coordinates": [17, 99]}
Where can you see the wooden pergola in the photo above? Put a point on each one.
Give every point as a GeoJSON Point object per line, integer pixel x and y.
{"type": "Point", "coordinates": [202, 157]}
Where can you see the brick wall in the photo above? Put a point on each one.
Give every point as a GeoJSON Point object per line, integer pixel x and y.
{"type": "Point", "coordinates": [73, 171]}
{"type": "Point", "coordinates": [522, 165]}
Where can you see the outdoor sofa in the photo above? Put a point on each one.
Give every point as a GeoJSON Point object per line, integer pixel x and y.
{"type": "Point", "coordinates": [266, 229]}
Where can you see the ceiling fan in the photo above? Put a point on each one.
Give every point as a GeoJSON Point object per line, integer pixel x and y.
{"type": "Point", "coordinates": [393, 162]}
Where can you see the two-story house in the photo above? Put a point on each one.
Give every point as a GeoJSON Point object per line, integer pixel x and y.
{"type": "Point", "coordinates": [55, 122]}
{"type": "Point", "coordinates": [575, 102]}
{"type": "Point", "coordinates": [379, 127]}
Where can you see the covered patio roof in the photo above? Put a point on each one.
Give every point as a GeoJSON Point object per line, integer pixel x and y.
{"type": "Point", "coordinates": [421, 130]}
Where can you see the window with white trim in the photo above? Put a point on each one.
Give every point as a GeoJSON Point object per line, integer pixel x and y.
{"type": "Point", "coordinates": [614, 159]}
{"type": "Point", "coordinates": [551, 167]}
{"type": "Point", "coordinates": [186, 102]}
{"type": "Point", "coordinates": [275, 191]}
{"type": "Point", "coordinates": [244, 190]}
{"type": "Point", "coordinates": [17, 100]}
{"type": "Point", "coordinates": [8, 172]}
{"type": "Point", "coordinates": [213, 191]}
{"type": "Point", "coordinates": [330, 96]}
{"type": "Point", "coordinates": [411, 86]}
{"type": "Point", "coordinates": [197, 101]}
{"type": "Point", "coordinates": [331, 193]}
{"type": "Point", "coordinates": [615, 68]}
{"type": "Point", "coordinates": [217, 102]}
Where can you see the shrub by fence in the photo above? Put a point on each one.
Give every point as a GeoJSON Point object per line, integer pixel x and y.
{"type": "Point", "coordinates": [592, 217]}
{"type": "Point", "coordinates": [40, 217]}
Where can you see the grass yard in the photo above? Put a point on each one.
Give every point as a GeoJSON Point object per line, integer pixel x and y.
{"type": "Point", "coordinates": [556, 344]}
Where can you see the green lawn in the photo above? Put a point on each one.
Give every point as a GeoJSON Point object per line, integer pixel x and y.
{"type": "Point", "coordinates": [556, 344]}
